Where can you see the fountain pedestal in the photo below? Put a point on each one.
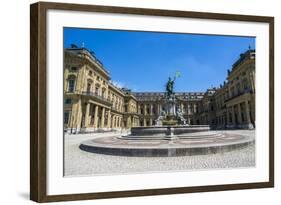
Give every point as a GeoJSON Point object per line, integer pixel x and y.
{"type": "Point", "coordinates": [171, 115]}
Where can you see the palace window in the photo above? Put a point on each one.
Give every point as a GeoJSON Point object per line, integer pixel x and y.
{"type": "Point", "coordinates": [147, 110]}
{"type": "Point", "coordinates": [238, 89]}
{"type": "Point", "coordinates": [97, 90]}
{"type": "Point", "coordinates": [73, 68]}
{"type": "Point", "coordinates": [245, 84]}
{"type": "Point", "coordinates": [66, 117]}
{"type": "Point", "coordinates": [141, 111]}
{"type": "Point", "coordinates": [89, 85]}
{"type": "Point", "coordinates": [103, 92]}
{"type": "Point", "coordinates": [154, 109]}
{"type": "Point", "coordinates": [71, 84]}
{"type": "Point", "coordinates": [90, 73]}
{"type": "Point", "coordinates": [67, 101]}
{"type": "Point", "coordinates": [232, 91]}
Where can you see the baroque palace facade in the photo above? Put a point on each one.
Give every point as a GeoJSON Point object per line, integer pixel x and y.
{"type": "Point", "coordinates": [93, 103]}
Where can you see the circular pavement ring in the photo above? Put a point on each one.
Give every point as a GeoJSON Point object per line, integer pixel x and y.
{"type": "Point", "coordinates": [166, 148]}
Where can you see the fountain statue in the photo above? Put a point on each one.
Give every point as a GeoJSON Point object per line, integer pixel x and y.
{"type": "Point", "coordinates": [170, 87]}
{"type": "Point", "coordinates": [171, 115]}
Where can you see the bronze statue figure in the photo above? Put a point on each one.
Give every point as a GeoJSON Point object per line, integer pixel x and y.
{"type": "Point", "coordinates": [170, 87]}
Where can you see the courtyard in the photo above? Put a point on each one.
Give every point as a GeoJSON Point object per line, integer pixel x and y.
{"type": "Point", "coordinates": [81, 163]}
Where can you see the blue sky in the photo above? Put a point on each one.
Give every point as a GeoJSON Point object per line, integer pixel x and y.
{"type": "Point", "coordinates": [143, 61]}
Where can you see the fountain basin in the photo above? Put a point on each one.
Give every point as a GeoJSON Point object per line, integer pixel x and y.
{"type": "Point", "coordinates": [165, 130]}
{"type": "Point", "coordinates": [158, 146]}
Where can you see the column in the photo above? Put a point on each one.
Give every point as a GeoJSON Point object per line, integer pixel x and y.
{"type": "Point", "coordinates": [150, 121]}
{"type": "Point", "coordinates": [144, 122]}
{"type": "Point", "coordinates": [102, 117]}
{"type": "Point", "coordinates": [108, 118]}
{"type": "Point", "coordinates": [239, 114]}
{"type": "Point", "coordinates": [144, 109]}
{"type": "Point", "coordinates": [233, 115]}
{"type": "Point", "coordinates": [128, 123]}
{"type": "Point", "coordinates": [228, 116]}
{"type": "Point", "coordinates": [251, 80]}
{"type": "Point", "coordinates": [248, 118]}
{"type": "Point", "coordinates": [96, 116]}
{"type": "Point", "coordinates": [112, 121]}
{"type": "Point", "coordinates": [252, 111]}
{"type": "Point", "coordinates": [151, 109]}
{"type": "Point", "coordinates": [87, 116]}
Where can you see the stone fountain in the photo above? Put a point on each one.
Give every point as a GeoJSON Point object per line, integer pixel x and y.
{"type": "Point", "coordinates": [171, 114]}
{"type": "Point", "coordinates": [171, 136]}
{"type": "Point", "coordinates": [170, 122]}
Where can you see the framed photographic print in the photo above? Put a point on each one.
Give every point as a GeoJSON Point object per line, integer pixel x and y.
{"type": "Point", "coordinates": [134, 102]}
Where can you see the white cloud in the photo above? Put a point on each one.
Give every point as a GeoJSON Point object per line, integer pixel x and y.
{"type": "Point", "coordinates": [118, 84]}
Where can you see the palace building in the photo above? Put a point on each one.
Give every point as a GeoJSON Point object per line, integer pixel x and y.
{"type": "Point", "coordinates": [93, 103]}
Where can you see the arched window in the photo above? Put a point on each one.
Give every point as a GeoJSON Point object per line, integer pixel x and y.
{"type": "Point", "coordinates": [154, 109]}
{"type": "Point", "coordinates": [147, 110]}
{"type": "Point", "coordinates": [141, 110]}
{"type": "Point", "coordinates": [89, 85]}
{"type": "Point", "coordinates": [97, 89]}
{"type": "Point", "coordinates": [71, 83]}
{"type": "Point", "coordinates": [103, 92]}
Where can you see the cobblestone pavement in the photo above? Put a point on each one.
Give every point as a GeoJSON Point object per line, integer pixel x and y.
{"type": "Point", "coordinates": [80, 163]}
